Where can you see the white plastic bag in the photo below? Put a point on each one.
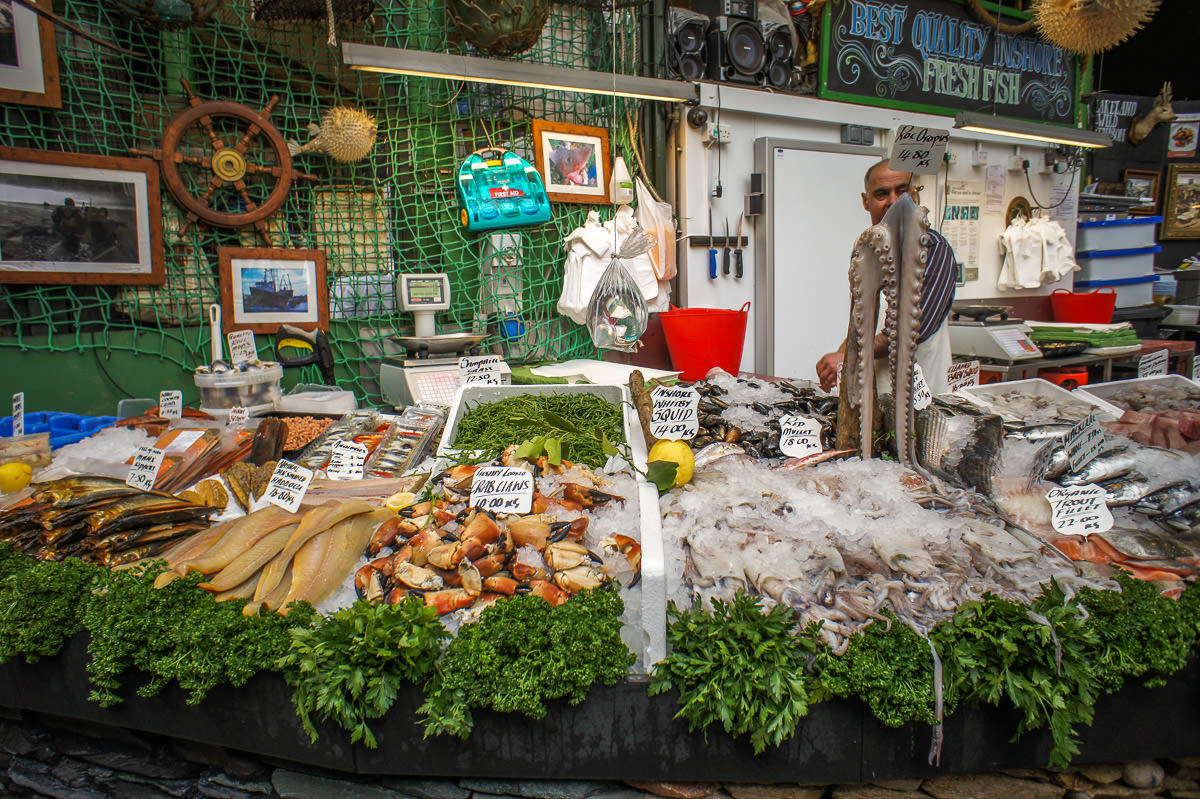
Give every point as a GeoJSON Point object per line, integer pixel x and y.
{"type": "Point", "coordinates": [657, 220]}
{"type": "Point", "coordinates": [617, 314]}
{"type": "Point", "coordinates": [589, 251]}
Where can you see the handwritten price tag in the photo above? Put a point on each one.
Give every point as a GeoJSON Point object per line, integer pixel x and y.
{"type": "Point", "coordinates": [674, 414]}
{"type": "Point", "coordinates": [347, 461]}
{"type": "Point", "coordinates": [502, 489]}
{"type": "Point", "coordinates": [144, 471]}
{"type": "Point", "coordinates": [19, 414]}
{"type": "Point", "coordinates": [237, 416]}
{"type": "Point", "coordinates": [480, 370]}
{"type": "Point", "coordinates": [921, 395]}
{"type": "Point", "coordinates": [1041, 463]}
{"type": "Point", "coordinates": [917, 149]}
{"type": "Point", "coordinates": [241, 346]}
{"type": "Point", "coordinates": [799, 436]}
{"type": "Point", "coordinates": [289, 482]}
{"type": "Point", "coordinates": [963, 375]}
{"type": "Point", "coordinates": [1079, 510]}
{"type": "Point", "coordinates": [1084, 442]}
{"type": "Point", "coordinates": [170, 404]}
{"type": "Point", "coordinates": [1154, 363]}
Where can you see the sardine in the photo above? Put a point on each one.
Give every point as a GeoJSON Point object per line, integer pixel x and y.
{"type": "Point", "coordinates": [1185, 518]}
{"type": "Point", "coordinates": [1106, 466]}
{"type": "Point", "coordinates": [1125, 490]}
{"type": "Point", "coordinates": [1168, 499]}
{"type": "Point", "coordinates": [1039, 432]}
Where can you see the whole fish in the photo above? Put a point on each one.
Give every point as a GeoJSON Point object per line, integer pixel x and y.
{"type": "Point", "coordinates": [1039, 432]}
{"type": "Point", "coordinates": [1125, 490]}
{"type": "Point", "coordinates": [1105, 466]}
{"type": "Point", "coordinates": [1168, 499]}
{"type": "Point", "coordinates": [1185, 518]}
{"type": "Point", "coordinates": [79, 489]}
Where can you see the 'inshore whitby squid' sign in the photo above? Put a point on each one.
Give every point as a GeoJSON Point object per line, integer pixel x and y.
{"type": "Point", "coordinates": [935, 56]}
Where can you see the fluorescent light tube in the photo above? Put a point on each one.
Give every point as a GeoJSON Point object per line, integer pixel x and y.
{"type": "Point", "coordinates": [1033, 131]}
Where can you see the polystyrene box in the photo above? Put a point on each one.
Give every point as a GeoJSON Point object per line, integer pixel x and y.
{"type": "Point", "coordinates": [1116, 234]}
{"type": "Point", "coordinates": [1115, 264]}
{"type": "Point", "coordinates": [1131, 291]}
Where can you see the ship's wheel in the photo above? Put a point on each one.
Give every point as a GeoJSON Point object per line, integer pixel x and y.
{"type": "Point", "coordinates": [226, 164]}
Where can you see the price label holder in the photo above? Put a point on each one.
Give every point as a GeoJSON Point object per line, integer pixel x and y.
{"type": "Point", "coordinates": [1084, 442]}
{"type": "Point", "coordinates": [1041, 463]}
{"type": "Point", "coordinates": [922, 397]}
{"type": "Point", "coordinates": [502, 489]}
{"type": "Point", "coordinates": [674, 414]}
{"type": "Point", "coordinates": [347, 460]}
{"type": "Point", "coordinates": [241, 346]}
{"type": "Point", "coordinates": [799, 436]}
{"type": "Point", "coordinates": [144, 471]}
{"type": "Point", "coordinates": [1153, 364]}
{"type": "Point", "coordinates": [481, 370]}
{"type": "Point", "coordinates": [288, 484]}
{"type": "Point", "coordinates": [170, 404]}
{"type": "Point", "coordinates": [237, 416]}
{"type": "Point", "coordinates": [963, 375]}
{"type": "Point", "coordinates": [1195, 365]}
{"type": "Point", "coordinates": [1079, 510]}
{"type": "Point", "coordinates": [917, 149]}
{"type": "Point", "coordinates": [18, 406]}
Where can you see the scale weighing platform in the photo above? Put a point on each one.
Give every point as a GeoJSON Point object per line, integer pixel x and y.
{"type": "Point", "coordinates": [985, 331]}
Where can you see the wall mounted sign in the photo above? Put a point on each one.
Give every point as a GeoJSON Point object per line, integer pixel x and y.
{"type": "Point", "coordinates": [935, 56]}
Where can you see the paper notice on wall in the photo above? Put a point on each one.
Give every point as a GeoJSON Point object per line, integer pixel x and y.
{"type": "Point", "coordinates": [961, 221]}
{"type": "Point", "coordinates": [1064, 197]}
{"type": "Point", "coordinates": [994, 193]}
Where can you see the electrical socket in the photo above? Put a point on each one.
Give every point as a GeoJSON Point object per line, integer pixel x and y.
{"type": "Point", "coordinates": [979, 157]}
{"type": "Point", "coordinates": [1016, 163]}
{"type": "Point", "coordinates": [951, 157]}
{"type": "Point", "coordinates": [718, 134]}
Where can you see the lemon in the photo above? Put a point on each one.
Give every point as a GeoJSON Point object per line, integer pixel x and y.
{"type": "Point", "coordinates": [678, 453]}
{"type": "Point", "coordinates": [400, 501]}
{"type": "Point", "coordinates": [14, 476]}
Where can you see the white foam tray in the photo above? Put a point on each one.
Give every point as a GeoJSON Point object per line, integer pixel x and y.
{"type": "Point", "coordinates": [1100, 392]}
{"type": "Point", "coordinates": [1038, 387]}
{"type": "Point", "coordinates": [653, 584]}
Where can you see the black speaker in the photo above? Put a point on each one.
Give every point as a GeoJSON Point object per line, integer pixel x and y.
{"type": "Point", "coordinates": [686, 34]}
{"type": "Point", "coordinates": [745, 9]}
{"type": "Point", "coordinates": [781, 58]}
{"type": "Point", "coordinates": [736, 51]}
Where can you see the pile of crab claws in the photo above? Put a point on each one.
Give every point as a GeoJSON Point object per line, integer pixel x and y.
{"type": "Point", "coordinates": [617, 544]}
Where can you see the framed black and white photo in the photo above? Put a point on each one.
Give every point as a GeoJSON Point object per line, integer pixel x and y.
{"type": "Point", "coordinates": [79, 219]}
{"type": "Point", "coordinates": [28, 57]}
{"type": "Point", "coordinates": [262, 289]}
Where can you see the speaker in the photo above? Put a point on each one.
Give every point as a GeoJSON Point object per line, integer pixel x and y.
{"type": "Point", "coordinates": [745, 9]}
{"type": "Point", "coordinates": [781, 58]}
{"type": "Point", "coordinates": [736, 51]}
{"type": "Point", "coordinates": [686, 34]}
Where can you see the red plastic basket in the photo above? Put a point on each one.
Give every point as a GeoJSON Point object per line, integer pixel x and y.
{"type": "Point", "coordinates": [1086, 307]}
{"type": "Point", "coordinates": [701, 338]}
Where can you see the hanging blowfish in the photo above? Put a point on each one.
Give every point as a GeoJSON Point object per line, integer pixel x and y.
{"type": "Point", "coordinates": [1091, 26]}
{"type": "Point", "coordinates": [345, 134]}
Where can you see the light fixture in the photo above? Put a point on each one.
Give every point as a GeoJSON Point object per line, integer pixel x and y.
{"type": "Point", "coordinates": [1034, 131]}
{"type": "Point", "coordinates": [398, 61]}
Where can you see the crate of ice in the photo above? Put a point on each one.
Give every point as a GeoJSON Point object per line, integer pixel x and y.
{"type": "Point", "coordinates": [1146, 394]}
{"type": "Point", "coordinates": [645, 631]}
{"type": "Point", "coordinates": [1038, 401]}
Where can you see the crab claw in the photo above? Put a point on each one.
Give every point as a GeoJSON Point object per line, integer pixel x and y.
{"type": "Point", "coordinates": [490, 564]}
{"type": "Point", "coordinates": [472, 582]}
{"type": "Point", "coordinates": [417, 577]}
{"type": "Point", "coordinates": [445, 556]}
{"type": "Point", "coordinates": [448, 600]}
{"type": "Point", "coordinates": [546, 590]}
{"type": "Point", "coordinates": [423, 543]}
{"type": "Point", "coordinates": [563, 555]}
{"type": "Point", "coordinates": [385, 536]}
{"type": "Point", "coordinates": [457, 481]}
{"type": "Point", "coordinates": [534, 530]}
{"type": "Point", "coordinates": [368, 583]}
{"type": "Point", "coordinates": [501, 584]}
{"type": "Point", "coordinates": [623, 544]}
{"type": "Point", "coordinates": [578, 578]}
{"type": "Point", "coordinates": [399, 593]}
{"type": "Point", "coordinates": [524, 572]}
{"type": "Point", "coordinates": [587, 497]}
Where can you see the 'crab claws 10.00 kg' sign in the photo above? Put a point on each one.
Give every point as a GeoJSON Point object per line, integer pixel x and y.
{"type": "Point", "coordinates": [934, 55]}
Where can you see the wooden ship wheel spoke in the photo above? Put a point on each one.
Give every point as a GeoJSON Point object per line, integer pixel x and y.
{"type": "Point", "coordinates": [198, 180]}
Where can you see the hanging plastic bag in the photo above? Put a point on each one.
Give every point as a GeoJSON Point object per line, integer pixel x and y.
{"type": "Point", "coordinates": [656, 219]}
{"type": "Point", "coordinates": [588, 252]}
{"type": "Point", "coordinates": [617, 312]}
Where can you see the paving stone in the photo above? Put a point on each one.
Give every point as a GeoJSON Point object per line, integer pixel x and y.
{"type": "Point", "coordinates": [18, 739]}
{"type": "Point", "coordinates": [1027, 773]}
{"type": "Point", "coordinates": [990, 786]}
{"type": "Point", "coordinates": [295, 785]}
{"type": "Point", "coordinates": [121, 759]}
{"type": "Point", "coordinates": [125, 789]}
{"type": "Point", "coordinates": [1177, 783]}
{"type": "Point", "coordinates": [750, 790]}
{"type": "Point", "coordinates": [869, 791]}
{"type": "Point", "coordinates": [1191, 762]}
{"type": "Point", "coordinates": [1143, 774]}
{"type": "Point", "coordinates": [1073, 780]}
{"type": "Point", "coordinates": [216, 791]}
{"type": "Point", "coordinates": [559, 789]}
{"type": "Point", "coordinates": [1184, 794]}
{"type": "Point", "coordinates": [493, 787]}
{"type": "Point", "coordinates": [1102, 773]}
{"type": "Point", "coordinates": [427, 789]}
{"type": "Point", "coordinates": [677, 790]}
{"type": "Point", "coordinates": [1115, 790]}
{"type": "Point", "coordinates": [620, 793]}
{"type": "Point", "coordinates": [37, 777]}
{"type": "Point", "coordinates": [220, 758]}
{"type": "Point", "coordinates": [900, 785]}
{"type": "Point", "coordinates": [248, 786]}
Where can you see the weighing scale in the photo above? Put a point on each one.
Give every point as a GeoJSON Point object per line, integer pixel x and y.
{"type": "Point", "coordinates": [985, 331]}
{"type": "Point", "coordinates": [428, 371]}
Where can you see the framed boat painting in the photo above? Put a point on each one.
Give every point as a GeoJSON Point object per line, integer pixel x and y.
{"type": "Point", "coordinates": [1181, 203]}
{"type": "Point", "coordinates": [28, 57]}
{"type": "Point", "coordinates": [262, 289]}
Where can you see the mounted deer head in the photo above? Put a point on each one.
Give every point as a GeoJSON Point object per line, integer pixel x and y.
{"type": "Point", "coordinates": [1162, 111]}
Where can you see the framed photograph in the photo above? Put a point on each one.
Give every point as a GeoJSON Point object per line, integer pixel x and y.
{"type": "Point", "coordinates": [262, 289]}
{"type": "Point", "coordinates": [28, 57]}
{"type": "Point", "coordinates": [1142, 183]}
{"type": "Point", "coordinates": [1181, 203]}
{"type": "Point", "coordinates": [573, 161]}
{"type": "Point", "coordinates": [79, 219]}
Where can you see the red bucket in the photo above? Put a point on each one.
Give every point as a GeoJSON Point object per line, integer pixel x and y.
{"type": "Point", "coordinates": [701, 338]}
{"type": "Point", "coordinates": [1085, 307]}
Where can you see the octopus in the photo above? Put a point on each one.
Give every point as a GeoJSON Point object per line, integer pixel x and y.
{"type": "Point", "coordinates": [888, 257]}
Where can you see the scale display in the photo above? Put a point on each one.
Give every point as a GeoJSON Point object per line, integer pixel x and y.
{"type": "Point", "coordinates": [424, 292]}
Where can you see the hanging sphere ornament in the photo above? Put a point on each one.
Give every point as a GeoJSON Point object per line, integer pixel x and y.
{"type": "Point", "coordinates": [498, 27]}
{"type": "Point", "coordinates": [1091, 26]}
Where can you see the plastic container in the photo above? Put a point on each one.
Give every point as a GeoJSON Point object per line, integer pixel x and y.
{"type": "Point", "coordinates": [1116, 234]}
{"type": "Point", "coordinates": [1182, 315]}
{"type": "Point", "coordinates": [1115, 264]}
{"type": "Point", "coordinates": [1069, 378]}
{"type": "Point", "coordinates": [1086, 307]}
{"type": "Point", "coordinates": [1187, 288]}
{"type": "Point", "coordinates": [1144, 319]}
{"type": "Point", "coordinates": [1130, 290]}
{"type": "Point", "coordinates": [247, 389]}
{"type": "Point", "coordinates": [62, 428]}
{"type": "Point", "coordinates": [701, 338]}
{"type": "Point", "coordinates": [1041, 388]}
{"type": "Point", "coordinates": [1102, 391]}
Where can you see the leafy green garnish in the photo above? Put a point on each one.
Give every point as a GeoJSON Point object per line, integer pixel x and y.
{"type": "Point", "coordinates": [41, 603]}
{"type": "Point", "coordinates": [578, 424]}
{"type": "Point", "coordinates": [350, 666]}
{"type": "Point", "coordinates": [662, 474]}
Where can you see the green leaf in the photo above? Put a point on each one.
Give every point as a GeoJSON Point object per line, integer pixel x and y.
{"type": "Point", "coordinates": [662, 474]}
{"type": "Point", "coordinates": [559, 421]}
{"type": "Point", "coordinates": [531, 448]}
{"type": "Point", "coordinates": [606, 446]}
{"type": "Point", "coordinates": [554, 451]}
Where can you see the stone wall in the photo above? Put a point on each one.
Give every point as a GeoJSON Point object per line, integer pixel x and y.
{"type": "Point", "coordinates": [42, 756]}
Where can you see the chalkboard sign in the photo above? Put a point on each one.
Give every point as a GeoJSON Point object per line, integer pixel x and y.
{"type": "Point", "coordinates": [936, 56]}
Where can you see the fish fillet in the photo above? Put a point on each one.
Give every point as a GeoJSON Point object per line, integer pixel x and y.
{"type": "Point", "coordinates": [245, 535]}
{"type": "Point", "coordinates": [249, 562]}
{"type": "Point", "coordinates": [326, 560]}
{"type": "Point", "coordinates": [243, 591]}
{"type": "Point", "coordinates": [273, 599]}
{"type": "Point", "coordinates": [315, 521]}
{"type": "Point", "coordinates": [189, 548]}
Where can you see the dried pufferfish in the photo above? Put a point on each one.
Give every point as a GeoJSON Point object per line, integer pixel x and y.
{"type": "Point", "coordinates": [1091, 26]}
{"type": "Point", "coordinates": [345, 134]}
